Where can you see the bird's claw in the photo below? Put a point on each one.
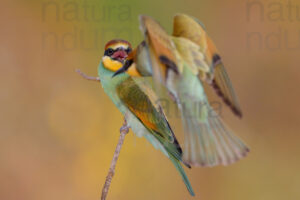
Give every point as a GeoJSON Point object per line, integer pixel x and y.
{"type": "Point", "coordinates": [125, 128]}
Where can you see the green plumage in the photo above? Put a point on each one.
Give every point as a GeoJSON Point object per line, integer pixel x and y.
{"type": "Point", "coordinates": [143, 116]}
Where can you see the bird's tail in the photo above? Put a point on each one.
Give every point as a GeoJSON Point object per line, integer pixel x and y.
{"type": "Point", "coordinates": [182, 174]}
{"type": "Point", "coordinates": [208, 142]}
{"type": "Point", "coordinates": [176, 161]}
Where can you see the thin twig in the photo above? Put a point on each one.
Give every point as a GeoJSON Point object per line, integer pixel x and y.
{"type": "Point", "coordinates": [90, 78]}
{"type": "Point", "coordinates": [123, 131]}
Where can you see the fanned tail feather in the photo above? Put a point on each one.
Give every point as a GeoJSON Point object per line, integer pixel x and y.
{"type": "Point", "coordinates": [207, 141]}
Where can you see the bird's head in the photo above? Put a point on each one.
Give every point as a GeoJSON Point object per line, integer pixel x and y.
{"type": "Point", "coordinates": [116, 51]}
{"type": "Point", "coordinates": [118, 58]}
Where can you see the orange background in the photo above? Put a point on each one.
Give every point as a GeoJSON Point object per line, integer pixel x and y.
{"type": "Point", "coordinates": [58, 131]}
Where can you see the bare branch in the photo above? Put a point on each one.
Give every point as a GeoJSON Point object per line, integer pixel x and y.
{"type": "Point", "coordinates": [90, 78]}
{"type": "Point", "coordinates": [123, 131]}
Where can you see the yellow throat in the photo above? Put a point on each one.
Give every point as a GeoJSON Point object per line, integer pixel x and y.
{"type": "Point", "coordinates": [114, 65]}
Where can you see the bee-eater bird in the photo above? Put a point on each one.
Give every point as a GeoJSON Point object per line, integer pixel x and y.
{"type": "Point", "coordinates": [183, 62]}
{"type": "Point", "coordinates": [136, 101]}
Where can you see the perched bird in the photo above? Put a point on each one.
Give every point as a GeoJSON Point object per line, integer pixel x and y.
{"type": "Point", "coordinates": [183, 62]}
{"type": "Point", "coordinates": [136, 101]}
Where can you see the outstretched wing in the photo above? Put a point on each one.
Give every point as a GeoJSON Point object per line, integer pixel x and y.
{"type": "Point", "coordinates": [143, 106]}
{"type": "Point", "coordinates": [160, 47]}
{"type": "Point", "coordinates": [207, 142]}
{"type": "Point", "coordinates": [190, 28]}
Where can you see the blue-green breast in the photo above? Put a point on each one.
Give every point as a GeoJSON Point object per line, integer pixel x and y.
{"type": "Point", "coordinates": [110, 84]}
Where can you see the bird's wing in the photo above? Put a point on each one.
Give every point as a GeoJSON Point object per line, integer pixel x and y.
{"type": "Point", "coordinates": [140, 101]}
{"type": "Point", "coordinates": [190, 28]}
{"type": "Point", "coordinates": [205, 139]}
{"type": "Point", "coordinates": [160, 47]}
{"type": "Point", "coordinates": [191, 55]}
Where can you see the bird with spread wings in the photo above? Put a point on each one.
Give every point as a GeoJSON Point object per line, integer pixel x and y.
{"type": "Point", "coordinates": [183, 62]}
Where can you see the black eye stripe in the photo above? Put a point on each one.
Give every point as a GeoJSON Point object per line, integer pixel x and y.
{"type": "Point", "coordinates": [110, 51]}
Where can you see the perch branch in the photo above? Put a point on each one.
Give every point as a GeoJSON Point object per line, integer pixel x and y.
{"type": "Point", "coordinates": [123, 131]}
{"type": "Point", "coordinates": [90, 78]}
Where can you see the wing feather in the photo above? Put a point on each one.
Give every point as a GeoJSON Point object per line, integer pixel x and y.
{"type": "Point", "coordinates": [162, 50]}
{"type": "Point", "coordinates": [190, 28]}
{"type": "Point", "coordinates": [150, 115]}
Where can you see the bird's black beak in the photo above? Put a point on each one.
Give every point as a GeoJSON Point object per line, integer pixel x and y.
{"type": "Point", "coordinates": [123, 69]}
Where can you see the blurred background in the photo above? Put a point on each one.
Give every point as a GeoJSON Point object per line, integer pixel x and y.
{"type": "Point", "coordinates": [58, 131]}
